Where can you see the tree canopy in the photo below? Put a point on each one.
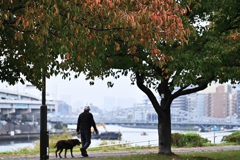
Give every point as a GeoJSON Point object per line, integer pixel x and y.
{"type": "Point", "coordinates": [211, 54]}
{"type": "Point", "coordinates": [59, 36]}
{"type": "Point", "coordinates": [162, 44]}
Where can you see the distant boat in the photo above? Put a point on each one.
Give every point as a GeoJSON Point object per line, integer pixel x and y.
{"type": "Point", "coordinates": [95, 136]}
{"type": "Point", "coordinates": [204, 129]}
{"type": "Point", "coordinates": [110, 135]}
{"type": "Point", "coordinates": [143, 134]}
{"type": "Point", "coordinates": [105, 135]}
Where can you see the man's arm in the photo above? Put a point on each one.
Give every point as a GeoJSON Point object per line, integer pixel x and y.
{"type": "Point", "coordinates": [94, 125]}
{"type": "Point", "coordinates": [78, 125]}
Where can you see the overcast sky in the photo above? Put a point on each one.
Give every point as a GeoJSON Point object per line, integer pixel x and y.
{"type": "Point", "coordinates": [78, 92]}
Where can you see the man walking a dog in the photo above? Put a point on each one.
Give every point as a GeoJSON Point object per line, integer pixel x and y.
{"type": "Point", "coordinates": [84, 124]}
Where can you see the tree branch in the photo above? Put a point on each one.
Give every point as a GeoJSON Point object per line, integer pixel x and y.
{"type": "Point", "coordinates": [147, 91]}
{"type": "Point", "coordinates": [203, 85]}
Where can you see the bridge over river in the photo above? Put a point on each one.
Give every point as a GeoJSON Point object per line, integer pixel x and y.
{"type": "Point", "coordinates": [201, 123]}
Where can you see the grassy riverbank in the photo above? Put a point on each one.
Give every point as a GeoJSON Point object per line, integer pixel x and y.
{"type": "Point", "coordinates": [185, 154]}
{"type": "Point", "coordinates": [106, 151]}
{"type": "Point", "coordinates": [139, 153]}
{"type": "Point", "coordinates": [214, 155]}
{"type": "Point", "coordinates": [221, 155]}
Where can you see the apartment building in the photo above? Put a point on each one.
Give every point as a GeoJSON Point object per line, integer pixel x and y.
{"type": "Point", "coordinates": [218, 103]}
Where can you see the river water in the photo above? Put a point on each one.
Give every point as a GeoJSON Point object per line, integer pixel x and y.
{"type": "Point", "coordinates": [130, 137]}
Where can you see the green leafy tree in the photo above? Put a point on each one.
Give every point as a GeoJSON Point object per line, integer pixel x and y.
{"type": "Point", "coordinates": [25, 42]}
{"type": "Point", "coordinates": [51, 36]}
{"type": "Point", "coordinates": [212, 54]}
{"type": "Point", "coordinates": [93, 37]}
{"type": "Point", "coordinates": [113, 38]}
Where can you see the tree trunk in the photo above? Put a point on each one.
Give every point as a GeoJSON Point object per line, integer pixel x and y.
{"type": "Point", "coordinates": [164, 130]}
{"type": "Point", "coordinates": [163, 111]}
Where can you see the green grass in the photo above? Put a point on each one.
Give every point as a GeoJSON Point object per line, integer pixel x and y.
{"type": "Point", "coordinates": [218, 155]}
{"type": "Point", "coordinates": [30, 151]}
{"type": "Point", "coordinates": [223, 155]}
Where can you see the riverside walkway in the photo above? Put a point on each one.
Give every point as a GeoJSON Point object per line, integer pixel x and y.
{"type": "Point", "coordinates": [95, 155]}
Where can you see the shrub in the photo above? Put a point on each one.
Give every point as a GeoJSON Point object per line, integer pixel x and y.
{"type": "Point", "coordinates": [178, 140]}
{"type": "Point", "coordinates": [194, 140]}
{"type": "Point", "coordinates": [188, 140]}
{"type": "Point", "coordinates": [234, 137]}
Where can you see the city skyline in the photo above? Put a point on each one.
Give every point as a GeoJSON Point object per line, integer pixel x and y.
{"type": "Point", "coordinates": [78, 92]}
{"type": "Point", "coordinates": [122, 94]}
{"type": "Point", "coordinates": [221, 101]}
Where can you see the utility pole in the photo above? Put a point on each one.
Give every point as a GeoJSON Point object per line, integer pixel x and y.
{"type": "Point", "coordinates": [44, 136]}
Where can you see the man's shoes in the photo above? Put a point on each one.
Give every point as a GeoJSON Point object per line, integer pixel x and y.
{"type": "Point", "coordinates": [85, 155]}
{"type": "Point", "coordinates": [83, 152]}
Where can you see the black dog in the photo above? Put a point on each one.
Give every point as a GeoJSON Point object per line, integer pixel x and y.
{"type": "Point", "coordinates": [66, 144]}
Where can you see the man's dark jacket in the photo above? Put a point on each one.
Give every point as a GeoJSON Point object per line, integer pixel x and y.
{"type": "Point", "coordinates": [85, 122]}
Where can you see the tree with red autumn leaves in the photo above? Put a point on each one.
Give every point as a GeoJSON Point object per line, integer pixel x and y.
{"type": "Point", "coordinates": [211, 53]}
{"type": "Point", "coordinates": [78, 29]}
{"type": "Point", "coordinates": [157, 42]}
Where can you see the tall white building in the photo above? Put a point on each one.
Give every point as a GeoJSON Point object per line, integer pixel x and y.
{"type": "Point", "coordinates": [236, 102]}
{"type": "Point", "coordinates": [180, 103]}
{"type": "Point", "coordinates": [200, 104]}
{"type": "Point", "coordinates": [196, 105]}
